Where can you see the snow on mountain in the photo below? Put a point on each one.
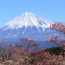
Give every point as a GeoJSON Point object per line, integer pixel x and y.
{"type": "Point", "coordinates": [27, 19]}
{"type": "Point", "coordinates": [27, 25]}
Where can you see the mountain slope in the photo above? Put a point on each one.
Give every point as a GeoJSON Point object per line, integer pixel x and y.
{"type": "Point", "coordinates": [28, 25]}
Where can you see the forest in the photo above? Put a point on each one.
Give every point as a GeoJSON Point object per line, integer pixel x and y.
{"type": "Point", "coordinates": [32, 54]}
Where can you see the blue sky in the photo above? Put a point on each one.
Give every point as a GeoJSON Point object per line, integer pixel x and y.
{"type": "Point", "coordinates": [53, 10]}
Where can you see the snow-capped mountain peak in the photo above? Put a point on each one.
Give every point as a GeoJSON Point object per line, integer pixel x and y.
{"type": "Point", "coordinates": [27, 19]}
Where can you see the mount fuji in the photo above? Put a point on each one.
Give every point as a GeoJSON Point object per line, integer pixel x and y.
{"type": "Point", "coordinates": [28, 25]}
